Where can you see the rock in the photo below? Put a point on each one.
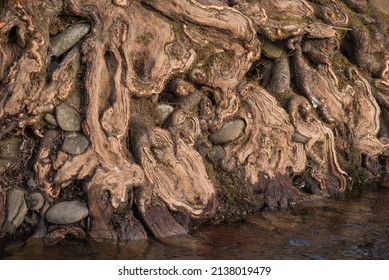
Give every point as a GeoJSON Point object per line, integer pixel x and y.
{"type": "Point", "coordinates": [51, 119]}
{"type": "Point", "coordinates": [216, 153]}
{"type": "Point", "coordinates": [74, 100]}
{"type": "Point", "coordinates": [31, 183]}
{"type": "Point", "coordinates": [381, 5]}
{"type": "Point", "coordinates": [229, 132]}
{"type": "Point", "coordinates": [297, 137]}
{"type": "Point", "coordinates": [16, 210]}
{"type": "Point", "coordinates": [67, 39]}
{"type": "Point", "coordinates": [36, 201]}
{"type": "Point", "coordinates": [68, 118]}
{"type": "Point", "coordinates": [163, 111]}
{"type": "Point", "coordinates": [67, 212]}
{"type": "Point", "coordinates": [191, 101]}
{"type": "Point", "coordinates": [272, 49]}
{"type": "Point", "coordinates": [9, 149]}
{"type": "Point", "coordinates": [75, 143]}
{"type": "Point", "coordinates": [4, 164]}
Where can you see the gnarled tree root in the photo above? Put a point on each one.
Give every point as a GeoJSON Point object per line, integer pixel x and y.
{"type": "Point", "coordinates": [137, 171]}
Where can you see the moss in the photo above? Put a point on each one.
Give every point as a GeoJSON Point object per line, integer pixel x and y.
{"type": "Point", "coordinates": [284, 97]}
{"type": "Point", "coordinates": [144, 38]}
{"type": "Point", "coordinates": [234, 195]}
{"type": "Point", "coordinates": [318, 148]}
{"type": "Point", "coordinates": [145, 107]}
{"type": "Point", "coordinates": [204, 54]}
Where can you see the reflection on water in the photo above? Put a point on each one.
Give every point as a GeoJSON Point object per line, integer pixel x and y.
{"type": "Point", "coordinates": [356, 227]}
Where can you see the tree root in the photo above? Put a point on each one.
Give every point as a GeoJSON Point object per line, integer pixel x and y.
{"type": "Point", "coordinates": [131, 60]}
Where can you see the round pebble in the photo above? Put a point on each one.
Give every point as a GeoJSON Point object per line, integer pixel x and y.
{"type": "Point", "coordinates": [75, 143]}
{"type": "Point", "coordinates": [37, 201]}
{"type": "Point", "coordinates": [16, 210]}
{"type": "Point", "coordinates": [67, 212]}
{"type": "Point", "coordinates": [216, 153]}
{"type": "Point", "coordinates": [229, 132]}
{"type": "Point", "coordinates": [68, 118]}
{"type": "Point", "coordinates": [163, 111]}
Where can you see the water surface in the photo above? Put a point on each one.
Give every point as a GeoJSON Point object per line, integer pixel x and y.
{"type": "Point", "coordinates": [355, 227]}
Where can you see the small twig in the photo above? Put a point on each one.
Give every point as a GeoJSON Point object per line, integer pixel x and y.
{"type": "Point", "coordinates": [341, 28]}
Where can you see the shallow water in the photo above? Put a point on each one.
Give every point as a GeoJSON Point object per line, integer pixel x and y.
{"type": "Point", "coordinates": [355, 227]}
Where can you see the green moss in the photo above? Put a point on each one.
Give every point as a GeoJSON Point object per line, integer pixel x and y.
{"type": "Point", "coordinates": [284, 97]}
{"type": "Point", "coordinates": [235, 197]}
{"type": "Point", "coordinates": [144, 38]}
{"type": "Point", "coordinates": [144, 107]}
{"type": "Point", "coordinates": [204, 54]}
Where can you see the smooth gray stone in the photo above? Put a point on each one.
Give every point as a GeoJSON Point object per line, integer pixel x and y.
{"type": "Point", "coordinates": [37, 201]}
{"type": "Point", "coordinates": [67, 212]}
{"type": "Point", "coordinates": [74, 100]}
{"type": "Point", "coordinates": [216, 153]}
{"type": "Point", "coordinates": [16, 210]}
{"type": "Point", "coordinates": [229, 132]}
{"type": "Point", "coordinates": [163, 112]}
{"type": "Point", "coordinates": [68, 118]}
{"type": "Point", "coordinates": [50, 119]}
{"type": "Point", "coordinates": [272, 49]}
{"type": "Point", "coordinates": [75, 143]}
{"type": "Point", "coordinates": [297, 137]}
{"type": "Point", "coordinates": [64, 41]}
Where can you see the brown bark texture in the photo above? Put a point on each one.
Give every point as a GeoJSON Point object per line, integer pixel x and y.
{"type": "Point", "coordinates": [151, 116]}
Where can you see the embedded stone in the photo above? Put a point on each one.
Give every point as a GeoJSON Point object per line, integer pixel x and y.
{"type": "Point", "coordinates": [163, 111]}
{"type": "Point", "coordinates": [16, 210]}
{"type": "Point", "coordinates": [297, 137]}
{"type": "Point", "coordinates": [64, 41]}
{"type": "Point", "coordinates": [36, 201]}
{"type": "Point", "coordinates": [74, 100]}
{"type": "Point", "coordinates": [272, 49]}
{"type": "Point", "coordinates": [75, 143]}
{"type": "Point", "coordinates": [67, 212]}
{"type": "Point", "coordinates": [68, 118]}
{"type": "Point", "coordinates": [216, 153]}
{"type": "Point", "coordinates": [229, 132]}
{"type": "Point", "coordinates": [9, 149]}
{"type": "Point", "coordinates": [49, 118]}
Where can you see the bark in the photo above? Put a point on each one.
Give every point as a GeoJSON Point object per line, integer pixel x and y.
{"type": "Point", "coordinates": [99, 70]}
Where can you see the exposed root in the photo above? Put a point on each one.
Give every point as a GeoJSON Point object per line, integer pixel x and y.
{"type": "Point", "coordinates": [174, 170]}
{"type": "Point", "coordinates": [157, 88]}
{"type": "Point", "coordinates": [365, 126]}
{"type": "Point", "coordinates": [266, 148]}
{"type": "Point", "coordinates": [320, 147]}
